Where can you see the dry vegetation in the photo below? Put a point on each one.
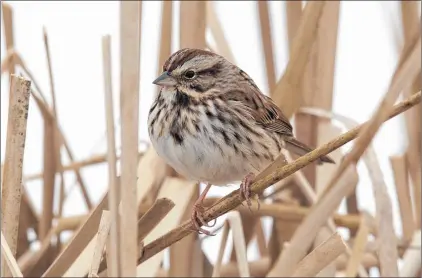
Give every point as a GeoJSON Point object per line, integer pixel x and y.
{"type": "Point", "coordinates": [126, 232]}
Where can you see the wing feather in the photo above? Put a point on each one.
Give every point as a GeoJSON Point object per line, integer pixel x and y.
{"type": "Point", "coordinates": [264, 110]}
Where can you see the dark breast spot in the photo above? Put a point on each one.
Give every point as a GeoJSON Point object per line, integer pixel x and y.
{"type": "Point", "coordinates": [176, 133]}
{"type": "Point", "coordinates": [196, 125]}
{"type": "Point", "coordinates": [265, 147]}
{"type": "Point", "coordinates": [223, 134]}
{"type": "Point", "coordinates": [226, 138]}
{"type": "Point", "coordinates": [215, 144]}
{"type": "Point", "coordinates": [221, 119]}
{"type": "Point", "coordinates": [166, 116]}
{"type": "Point", "coordinates": [182, 99]}
{"type": "Point", "coordinates": [178, 139]}
{"type": "Point", "coordinates": [153, 107]}
{"type": "Point", "coordinates": [160, 100]}
{"type": "Point", "coordinates": [233, 123]}
{"type": "Point", "coordinates": [156, 117]}
{"type": "Point", "coordinates": [236, 149]}
{"type": "Point", "coordinates": [209, 114]}
{"type": "Point", "coordinates": [238, 137]}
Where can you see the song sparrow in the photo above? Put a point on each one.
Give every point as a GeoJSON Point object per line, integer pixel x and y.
{"type": "Point", "coordinates": [211, 123]}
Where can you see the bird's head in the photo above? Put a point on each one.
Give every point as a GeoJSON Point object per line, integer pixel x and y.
{"type": "Point", "coordinates": [194, 72]}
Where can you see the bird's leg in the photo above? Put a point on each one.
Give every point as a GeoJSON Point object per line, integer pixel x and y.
{"type": "Point", "coordinates": [198, 210]}
{"type": "Point", "coordinates": [245, 189]}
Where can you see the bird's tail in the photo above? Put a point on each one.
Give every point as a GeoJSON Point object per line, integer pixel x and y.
{"type": "Point", "coordinates": [299, 148]}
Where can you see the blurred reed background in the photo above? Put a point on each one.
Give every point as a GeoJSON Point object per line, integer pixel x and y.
{"type": "Point", "coordinates": [76, 75]}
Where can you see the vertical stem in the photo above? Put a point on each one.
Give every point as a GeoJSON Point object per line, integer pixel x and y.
{"type": "Point", "coordinates": [130, 31]}
{"type": "Point", "coordinates": [12, 177]}
{"type": "Point", "coordinates": [8, 33]}
{"type": "Point", "coordinates": [265, 24]}
{"type": "Point", "coordinates": [166, 34]}
{"type": "Point", "coordinates": [113, 196]}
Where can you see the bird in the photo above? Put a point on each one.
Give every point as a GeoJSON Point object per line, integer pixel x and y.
{"type": "Point", "coordinates": [212, 124]}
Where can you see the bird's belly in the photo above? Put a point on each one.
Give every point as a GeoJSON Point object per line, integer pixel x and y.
{"type": "Point", "coordinates": [210, 149]}
{"type": "Point", "coordinates": [198, 158]}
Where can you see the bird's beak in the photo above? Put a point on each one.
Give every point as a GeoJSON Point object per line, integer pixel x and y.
{"type": "Point", "coordinates": [165, 80]}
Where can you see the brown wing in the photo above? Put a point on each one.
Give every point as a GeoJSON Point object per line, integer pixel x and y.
{"type": "Point", "coordinates": [264, 110]}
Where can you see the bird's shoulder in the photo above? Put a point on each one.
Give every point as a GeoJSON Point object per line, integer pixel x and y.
{"type": "Point", "coordinates": [262, 108]}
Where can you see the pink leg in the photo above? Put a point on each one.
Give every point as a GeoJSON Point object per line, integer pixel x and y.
{"type": "Point", "coordinates": [245, 188]}
{"type": "Point", "coordinates": [198, 210]}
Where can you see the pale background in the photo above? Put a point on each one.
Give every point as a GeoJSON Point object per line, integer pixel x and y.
{"type": "Point", "coordinates": [368, 45]}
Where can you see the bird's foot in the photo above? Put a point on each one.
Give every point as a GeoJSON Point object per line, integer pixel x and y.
{"type": "Point", "coordinates": [245, 189]}
{"type": "Point", "coordinates": [198, 219]}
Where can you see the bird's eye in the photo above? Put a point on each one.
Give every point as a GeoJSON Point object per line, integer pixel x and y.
{"type": "Point", "coordinates": [190, 74]}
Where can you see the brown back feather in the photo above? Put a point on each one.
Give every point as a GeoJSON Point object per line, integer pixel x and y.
{"type": "Point", "coordinates": [264, 110]}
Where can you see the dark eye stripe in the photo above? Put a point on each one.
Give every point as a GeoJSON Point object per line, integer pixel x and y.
{"type": "Point", "coordinates": [198, 88]}
{"type": "Point", "coordinates": [214, 70]}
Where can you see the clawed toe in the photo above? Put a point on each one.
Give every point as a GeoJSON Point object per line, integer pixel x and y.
{"type": "Point", "coordinates": [198, 221]}
{"type": "Point", "coordinates": [245, 190]}
{"type": "Point", "coordinates": [197, 218]}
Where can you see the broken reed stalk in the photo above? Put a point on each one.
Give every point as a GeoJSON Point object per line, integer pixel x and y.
{"type": "Point", "coordinates": [233, 200]}
{"type": "Point", "coordinates": [181, 191]}
{"type": "Point", "coordinates": [79, 241]}
{"type": "Point", "coordinates": [153, 217]}
{"type": "Point", "coordinates": [11, 192]}
{"type": "Point", "coordinates": [114, 195]}
{"type": "Point", "coordinates": [41, 102]}
{"type": "Point", "coordinates": [320, 257]}
{"type": "Point", "coordinates": [43, 106]}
